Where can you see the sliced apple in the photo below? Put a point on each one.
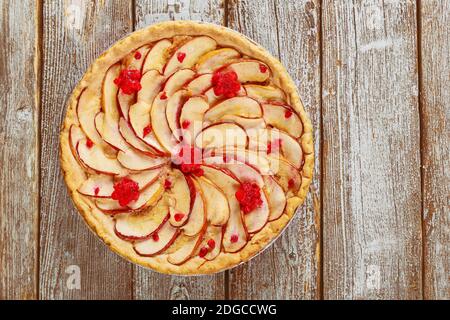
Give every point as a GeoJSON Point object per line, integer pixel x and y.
{"type": "Point", "coordinates": [238, 106]}
{"type": "Point", "coordinates": [109, 129]}
{"type": "Point", "coordinates": [93, 157]}
{"type": "Point", "coordinates": [197, 216]}
{"type": "Point", "coordinates": [125, 101]}
{"type": "Point", "coordinates": [246, 123]}
{"type": "Point", "coordinates": [221, 135]}
{"type": "Point", "coordinates": [87, 107]}
{"type": "Point", "coordinates": [286, 175]}
{"type": "Point", "coordinates": [250, 71]}
{"type": "Point", "coordinates": [215, 59]}
{"type": "Point", "coordinates": [173, 109]}
{"type": "Point", "coordinates": [188, 54]}
{"type": "Point", "coordinates": [235, 236]}
{"type": "Point", "coordinates": [212, 240]}
{"type": "Point", "coordinates": [275, 197]}
{"type": "Point", "coordinates": [147, 177]}
{"type": "Point", "coordinates": [136, 59]}
{"type": "Point", "coordinates": [290, 149]}
{"type": "Point", "coordinates": [75, 135]}
{"type": "Point", "coordinates": [265, 93]}
{"type": "Point", "coordinates": [156, 57]}
{"type": "Point", "coordinates": [182, 194]}
{"type": "Point", "coordinates": [255, 159]}
{"type": "Point", "coordinates": [283, 118]}
{"type": "Point", "coordinates": [200, 84]}
{"type": "Point", "coordinates": [256, 219]}
{"type": "Point", "coordinates": [191, 116]}
{"type": "Point", "coordinates": [160, 126]}
{"type": "Point", "coordinates": [216, 203]}
{"type": "Point", "coordinates": [156, 245]}
{"type": "Point", "coordinates": [189, 245]}
{"type": "Point", "coordinates": [147, 197]}
{"type": "Point", "coordinates": [129, 136]}
{"type": "Point", "coordinates": [136, 161]}
{"type": "Point", "coordinates": [98, 186]}
{"type": "Point", "coordinates": [241, 171]}
{"type": "Point", "coordinates": [139, 113]}
{"type": "Point", "coordinates": [213, 99]}
{"type": "Point", "coordinates": [177, 80]}
{"type": "Point", "coordinates": [142, 225]}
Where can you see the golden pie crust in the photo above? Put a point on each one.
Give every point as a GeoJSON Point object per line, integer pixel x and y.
{"type": "Point", "coordinates": [103, 224]}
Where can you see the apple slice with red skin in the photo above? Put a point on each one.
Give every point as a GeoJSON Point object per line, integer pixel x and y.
{"type": "Point", "coordinates": [242, 171]}
{"type": "Point", "coordinates": [188, 248]}
{"type": "Point", "coordinates": [147, 177]}
{"type": "Point", "coordinates": [191, 116]}
{"type": "Point", "coordinates": [197, 216]}
{"type": "Point", "coordinates": [98, 186]}
{"type": "Point", "coordinates": [87, 108]}
{"type": "Point", "coordinates": [160, 126]}
{"type": "Point", "coordinates": [109, 129]}
{"type": "Point", "coordinates": [141, 226]}
{"type": "Point", "coordinates": [156, 57]}
{"type": "Point", "coordinates": [275, 197]}
{"type": "Point", "coordinates": [249, 70]}
{"type": "Point", "coordinates": [182, 193]}
{"type": "Point", "coordinates": [235, 236]}
{"type": "Point", "coordinates": [265, 93]}
{"type": "Point", "coordinates": [199, 84]}
{"type": "Point", "coordinates": [94, 158]}
{"type": "Point", "coordinates": [213, 99]}
{"type": "Point", "coordinates": [139, 114]}
{"type": "Point", "coordinates": [246, 123]}
{"type": "Point", "coordinates": [154, 246]}
{"type": "Point", "coordinates": [173, 109]}
{"type": "Point", "coordinates": [75, 134]}
{"type": "Point", "coordinates": [216, 203]}
{"type": "Point", "coordinates": [177, 80]}
{"type": "Point", "coordinates": [129, 136]}
{"type": "Point", "coordinates": [283, 118]}
{"type": "Point", "coordinates": [136, 161]}
{"type": "Point", "coordinates": [212, 241]}
{"type": "Point", "coordinates": [188, 54]}
{"type": "Point", "coordinates": [219, 135]}
{"type": "Point", "coordinates": [125, 101]}
{"type": "Point", "coordinates": [147, 197]}
{"type": "Point", "coordinates": [239, 106]}
{"type": "Point", "coordinates": [287, 176]}
{"type": "Point", "coordinates": [256, 219]}
{"type": "Point", "coordinates": [255, 159]}
{"type": "Point", "coordinates": [215, 59]}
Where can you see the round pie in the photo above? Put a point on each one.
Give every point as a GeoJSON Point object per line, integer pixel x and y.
{"type": "Point", "coordinates": [186, 148]}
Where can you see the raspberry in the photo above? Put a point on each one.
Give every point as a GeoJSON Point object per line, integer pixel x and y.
{"type": "Point", "coordinates": [178, 217]}
{"type": "Point", "coordinates": [125, 191]}
{"type": "Point", "coordinates": [249, 196]}
{"type": "Point", "coordinates": [181, 56]}
{"type": "Point", "coordinates": [129, 81]}
{"type": "Point", "coordinates": [226, 84]}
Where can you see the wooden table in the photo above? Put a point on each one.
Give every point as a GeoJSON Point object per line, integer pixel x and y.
{"type": "Point", "coordinates": [375, 79]}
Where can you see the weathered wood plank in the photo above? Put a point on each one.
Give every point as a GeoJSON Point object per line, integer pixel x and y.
{"type": "Point", "coordinates": [290, 269]}
{"type": "Point", "coordinates": [75, 33]}
{"type": "Point", "coordinates": [371, 156]}
{"type": "Point", "coordinates": [148, 284]}
{"type": "Point", "coordinates": [19, 149]}
{"type": "Point", "coordinates": [435, 100]}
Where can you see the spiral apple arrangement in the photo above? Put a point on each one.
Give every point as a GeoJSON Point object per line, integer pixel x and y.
{"type": "Point", "coordinates": [191, 148]}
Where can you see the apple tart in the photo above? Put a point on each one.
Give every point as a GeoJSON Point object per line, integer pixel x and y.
{"type": "Point", "coordinates": [186, 148]}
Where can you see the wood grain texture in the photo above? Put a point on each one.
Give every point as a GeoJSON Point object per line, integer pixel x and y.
{"type": "Point", "coordinates": [75, 34]}
{"type": "Point", "coordinates": [148, 284]}
{"type": "Point", "coordinates": [435, 102]}
{"type": "Point", "coordinates": [290, 268]}
{"type": "Point", "coordinates": [371, 156]}
{"type": "Point", "coordinates": [19, 169]}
